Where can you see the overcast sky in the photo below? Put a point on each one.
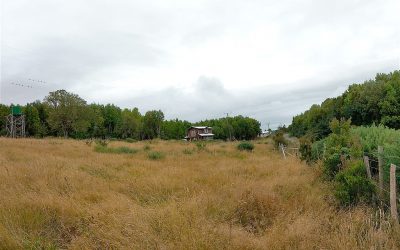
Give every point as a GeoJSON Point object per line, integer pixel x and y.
{"type": "Point", "coordinates": [197, 59]}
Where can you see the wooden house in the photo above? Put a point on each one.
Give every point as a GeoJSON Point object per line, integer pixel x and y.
{"type": "Point", "coordinates": [195, 133]}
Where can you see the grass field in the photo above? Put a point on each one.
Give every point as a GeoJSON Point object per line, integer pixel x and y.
{"type": "Point", "coordinates": [58, 193]}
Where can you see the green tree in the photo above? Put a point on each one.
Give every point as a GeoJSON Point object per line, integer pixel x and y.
{"type": "Point", "coordinates": [174, 129]}
{"type": "Point", "coordinates": [66, 113]}
{"type": "Point", "coordinates": [152, 122]}
{"type": "Point", "coordinates": [112, 119]}
{"type": "Point", "coordinates": [32, 120]}
{"type": "Point", "coordinates": [4, 111]}
{"type": "Point", "coordinates": [374, 101]}
{"type": "Point", "coordinates": [43, 112]}
{"type": "Point", "coordinates": [96, 121]}
{"type": "Point", "coordinates": [130, 124]}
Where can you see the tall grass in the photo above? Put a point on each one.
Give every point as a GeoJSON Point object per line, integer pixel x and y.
{"type": "Point", "coordinates": [117, 150]}
{"type": "Point", "coordinates": [65, 195]}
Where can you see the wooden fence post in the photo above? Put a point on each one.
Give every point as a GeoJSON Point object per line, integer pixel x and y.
{"type": "Point", "coordinates": [393, 200]}
{"type": "Point", "coordinates": [283, 150]}
{"type": "Point", "coordinates": [366, 162]}
{"type": "Point", "coordinates": [380, 168]}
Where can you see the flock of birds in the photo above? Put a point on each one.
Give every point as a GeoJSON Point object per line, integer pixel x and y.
{"type": "Point", "coordinates": [29, 84]}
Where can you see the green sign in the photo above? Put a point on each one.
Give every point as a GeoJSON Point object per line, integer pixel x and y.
{"type": "Point", "coordinates": [16, 110]}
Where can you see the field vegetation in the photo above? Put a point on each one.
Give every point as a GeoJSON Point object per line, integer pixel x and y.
{"type": "Point", "coordinates": [61, 193]}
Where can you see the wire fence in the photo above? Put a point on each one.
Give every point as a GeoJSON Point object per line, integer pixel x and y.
{"type": "Point", "coordinates": [378, 172]}
{"type": "Point", "coordinates": [382, 177]}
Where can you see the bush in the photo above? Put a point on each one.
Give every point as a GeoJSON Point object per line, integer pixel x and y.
{"type": "Point", "coordinates": [279, 138]}
{"type": "Point", "coordinates": [155, 155]}
{"type": "Point", "coordinates": [118, 150]}
{"type": "Point", "coordinates": [353, 185]}
{"type": "Point", "coordinates": [332, 165]}
{"type": "Point", "coordinates": [374, 136]}
{"type": "Point", "coordinates": [317, 150]}
{"type": "Point", "coordinates": [305, 149]}
{"type": "Point", "coordinates": [311, 151]}
{"type": "Point", "coordinates": [248, 146]}
{"type": "Point", "coordinates": [340, 147]}
{"type": "Point", "coordinates": [146, 148]}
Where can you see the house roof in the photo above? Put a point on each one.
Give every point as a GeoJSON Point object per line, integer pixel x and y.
{"type": "Point", "coordinates": [209, 134]}
{"type": "Point", "coordinates": [200, 127]}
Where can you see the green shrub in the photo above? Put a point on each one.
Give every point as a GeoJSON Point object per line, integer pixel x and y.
{"type": "Point", "coordinates": [332, 165]}
{"type": "Point", "coordinates": [279, 138]}
{"type": "Point", "coordinates": [353, 185]}
{"type": "Point", "coordinates": [340, 147]}
{"type": "Point", "coordinates": [311, 151]}
{"type": "Point", "coordinates": [305, 149]}
{"type": "Point", "coordinates": [248, 146]}
{"type": "Point", "coordinates": [374, 136]}
{"type": "Point", "coordinates": [146, 147]}
{"type": "Point", "coordinates": [118, 150]}
{"type": "Point", "coordinates": [317, 150]}
{"type": "Point", "coordinates": [155, 155]}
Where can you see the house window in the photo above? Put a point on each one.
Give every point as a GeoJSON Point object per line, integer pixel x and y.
{"type": "Point", "coordinates": [205, 131]}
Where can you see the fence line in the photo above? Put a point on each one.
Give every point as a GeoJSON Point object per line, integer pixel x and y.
{"type": "Point", "coordinates": [294, 152]}
{"type": "Point", "coordinates": [380, 185]}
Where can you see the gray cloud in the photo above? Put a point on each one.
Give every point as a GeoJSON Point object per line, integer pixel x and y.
{"type": "Point", "coordinates": [210, 86]}
{"type": "Point", "coordinates": [197, 59]}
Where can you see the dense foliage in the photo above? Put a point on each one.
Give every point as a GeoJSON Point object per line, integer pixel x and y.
{"type": "Point", "coordinates": [341, 163]}
{"type": "Point", "coordinates": [375, 101]}
{"type": "Point", "coordinates": [248, 146]}
{"type": "Point", "coordinates": [374, 136]}
{"type": "Point", "coordinates": [341, 153]}
{"type": "Point", "coordinates": [237, 127]}
{"type": "Point", "coordinates": [66, 114]}
{"type": "Point", "coordinates": [279, 139]}
{"type": "Point", "coordinates": [353, 186]}
{"type": "Point", "coordinates": [340, 147]}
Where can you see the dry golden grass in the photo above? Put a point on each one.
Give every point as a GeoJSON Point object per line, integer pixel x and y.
{"type": "Point", "coordinates": [58, 193]}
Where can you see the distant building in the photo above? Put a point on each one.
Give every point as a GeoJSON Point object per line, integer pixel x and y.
{"type": "Point", "coordinates": [199, 133]}
{"type": "Point", "coordinates": [265, 133]}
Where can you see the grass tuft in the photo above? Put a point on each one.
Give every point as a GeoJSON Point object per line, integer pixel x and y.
{"type": "Point", "coordinates": [256, 212]}
{"type": "Point", "coordinates": [245, 146]}
{"type": "Point", "coordinates": [187, 151]}
{"type": "Point", "coordinates": [155, 155]}
{"type": "Point", "coordinates": [117, 150]}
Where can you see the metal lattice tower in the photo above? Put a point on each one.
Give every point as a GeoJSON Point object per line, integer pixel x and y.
{"type": "Point", "coordinates": [15, 123]}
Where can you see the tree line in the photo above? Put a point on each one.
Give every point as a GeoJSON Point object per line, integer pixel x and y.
{"type": "Point", "coordinates": [340, 131]}
{"type": "Point", "coordinates": [375, 101]}
{"type": "Point", "coordinates": [66, 114]}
